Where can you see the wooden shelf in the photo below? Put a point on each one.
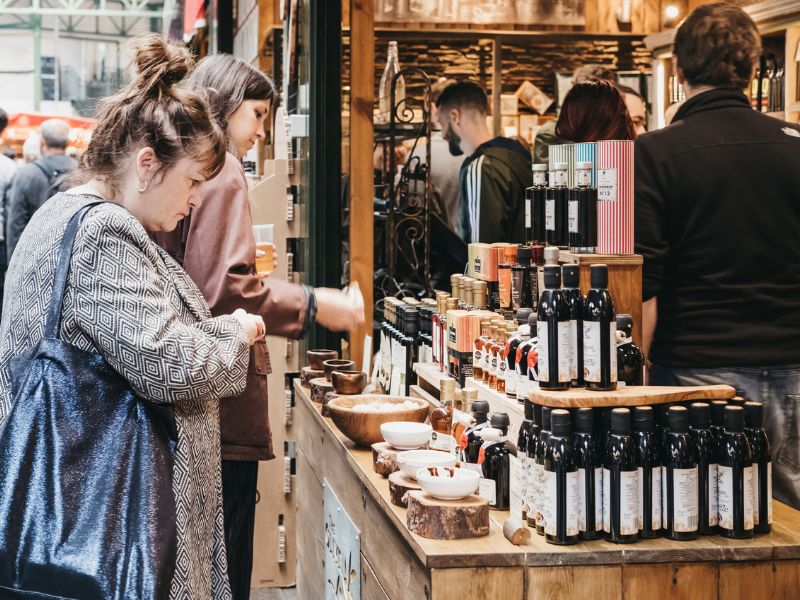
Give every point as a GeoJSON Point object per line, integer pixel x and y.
{"type": "Point", "coordinates": [630, 396]}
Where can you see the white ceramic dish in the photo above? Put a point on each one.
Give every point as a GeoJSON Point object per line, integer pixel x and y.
{"type": "Point", "coordinates": [405, 435]}
{"type": "Point", "coordinates": [449, 484]}
{"type": "Point", "coordinates": [412, 461]}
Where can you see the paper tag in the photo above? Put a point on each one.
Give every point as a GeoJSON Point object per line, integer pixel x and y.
{"type": "Point", "coordinates": [443, 442]}
{"type": "Point", "coordinates": [748, 497]}
{"type": "Point", "coordinates": [607, 185]}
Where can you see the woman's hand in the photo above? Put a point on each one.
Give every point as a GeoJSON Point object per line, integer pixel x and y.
{"type": "Point", "coordinates": [253, 325]}
{"type": "Point", "coordinates": [340, 310]}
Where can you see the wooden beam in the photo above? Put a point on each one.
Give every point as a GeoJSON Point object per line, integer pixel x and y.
{"type": "Point", "coordinates": [362, 96]}
{"type": "Point", "coordinates": [497, 83]}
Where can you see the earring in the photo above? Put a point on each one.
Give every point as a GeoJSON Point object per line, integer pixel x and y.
{"type": "Point", "coordinates": [142, 186]}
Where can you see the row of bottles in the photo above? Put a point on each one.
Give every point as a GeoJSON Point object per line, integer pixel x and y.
{"type": "Point", "coordinates": [767, 88]}
{"type": "Point", "coordinates": [628, 474]}
{"type": "Point", "coordinates": [406, 338]}
{"type": "Point", "coordinates": [561, 216]}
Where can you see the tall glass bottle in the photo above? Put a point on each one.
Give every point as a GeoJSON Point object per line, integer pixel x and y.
{"type": "Point", "coordinates": [718, 422]}
{"type": "Point", "coordinates": [583, 211]}
{"type": "Point", "coordinates": [735, 478]}
{"type": "Point", "coordinates": [520, 280]}
{"type": "Point", "coordinates": [496, 463]}
{"type": "Point", "coordinates": [680, 477]}
{"type": "Point", "coordinates": [478, 348]}
{"type": "Point", "coordinates": [574, 297]}
{"type": "Point", "coordinates": [538, 207]}
{"type": "Point", "coordinates": [599, 333]}
{"type": "Point", "coordinates": [630, 360]}
{"type": "Point", "coordinates": [561, 487]}
{"type": "Point", "coordinates": [762, 466]}
{"type": "Point", "coordinates": [523, 438]}
{"type": "Point", "coordinates": [589, 461]}
{"type": "Point", "coordinates": [648, 461]}
{"type": "Point", "coordinates": [557, 209]}
{"type": "Point", "coordinates": [391, 69]}
{"type": "Point", "coordinates": [471, 440]}
{"type": "Point", "coordinates": [708, 511]}
{"type": "Point", "coordinates": [529, 453]}
{"type": "Point", "coordinates": [539, 477]}
{"type": "Point", "coordinates": [553, 329]}
{"type": "Point", "coordinates": [620, 481]}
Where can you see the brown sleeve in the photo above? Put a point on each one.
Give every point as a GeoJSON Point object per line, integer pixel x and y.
{"type": "Point", "coordinates": [220, 258]}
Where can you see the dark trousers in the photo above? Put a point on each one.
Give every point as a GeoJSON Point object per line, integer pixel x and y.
{"type": "Point", "coordinates": [239, 479]}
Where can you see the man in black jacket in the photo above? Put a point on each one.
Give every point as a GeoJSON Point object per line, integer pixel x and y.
{"type": "Point", "coordinates": [717, 221]}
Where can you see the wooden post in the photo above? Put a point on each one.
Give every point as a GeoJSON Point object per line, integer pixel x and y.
{"type": "Point", "coordinates": [497, 83]}
{"type": "Point", "coordinates": [362, 93]}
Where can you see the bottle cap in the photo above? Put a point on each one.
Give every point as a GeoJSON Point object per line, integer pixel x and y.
{"type": "Point", "coordinates": [447, 389]}
{"type": "Point", "coordinates": [480, 406]}
{"type": "Point", "coordinates": [571, 276]}
{"type": "Point", "coordinates": [469, 395]}
{"type": "Point", "coordinates": [700, 415]}
{"type": "Point", "coordinates": [754, 414]}
{"type": "Point", "coordinates": [734, 418]}
{"type": "Point", "coordinates": [718, 412]}
{"type": "Point", "coordinates": [532, 324]}
{"type": "Point", "coordinates": [598, 276]}
{"type": "Point", "coordinates": [552, 277]}
{"type": "Point", "coordinates": [560, 166]}
{"type": "Point", "coordinates": [539, 167]}
{"type": "Point", "coordinates": [643, 418]}
{"type": "Point", "coordinates": [537, 255]}
{"type": "Point", "coordinates": [621, 421]}
{"type": "Point", "coordinates": [625, 324]}
{"type": "Point", "coordinates": [551, 255]}
{"type": "Point", "coordinates": [583, 165]}
{"type": "Point", "coordinates": [500, 420]}
{"type": "Point", "coordinates": [678, 419]}
{"type": "Point", "coordinates": [560, 422]}
{"type": "Point", "coordinates": [522, 316]}
{"type": "Point", "coordinates": [528, 409]}
{"type": "Point", "coordinates": [537, 414]}
{"type": "Point", "coordinates": [546, 410]}
{"type": "Point", "coordinates": [524, 254]}
{"type": "Point", "coordinates": [584, 420]}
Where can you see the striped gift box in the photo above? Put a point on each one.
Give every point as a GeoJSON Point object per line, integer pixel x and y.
{"type": "Point", "coordinates": [564, 153]}
{"type": "Point", "coordinates": [587, 152]}
{"type": "Point", "coordinates": [615, 197]}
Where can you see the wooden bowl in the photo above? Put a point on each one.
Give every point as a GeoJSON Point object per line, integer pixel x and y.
{"type": "Point", "coordinates": [348, 382]}
{"type": "Point", "coordinates": [364, 428]}
{"type": "Point", "coordinates": [337, 364]}
{"type": "Point", "coordinates": [317, 357]}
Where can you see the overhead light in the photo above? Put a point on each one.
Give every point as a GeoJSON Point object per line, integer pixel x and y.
{"type": "Point", "coordinates": [671, 12]}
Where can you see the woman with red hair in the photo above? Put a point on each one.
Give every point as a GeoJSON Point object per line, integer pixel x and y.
{"type": "Point", "coordinates": [594, 111]}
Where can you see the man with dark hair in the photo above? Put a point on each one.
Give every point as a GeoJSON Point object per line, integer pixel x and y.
{"type": "Point", "coordinates": [8, 169]}
{"type": "Point", "coordinates": [717, 221]}
{"type": "Point", "coordinates": [496, 172]}
{"type": "Point", "coordinates": [36, 181]}
{"type": "Point", "coordinates": [637, 108]}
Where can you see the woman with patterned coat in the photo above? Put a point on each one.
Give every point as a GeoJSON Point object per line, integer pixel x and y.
{"type": "Point", "coordinates": [127, 300]}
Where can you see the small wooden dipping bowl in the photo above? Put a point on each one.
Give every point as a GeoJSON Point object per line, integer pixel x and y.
{"type": "Point", "coordinates": [348, 382]}
{"type": "Point", "coordinates": [337, 364]}
{"type": "Point", "coordinates": [317, 357]}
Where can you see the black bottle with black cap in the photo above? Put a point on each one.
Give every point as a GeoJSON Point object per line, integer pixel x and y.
{"type": "Point", "coordinates": [561, 477]}
{"type": "Point", "coordinates": [572, 293]}
{"type": "Point", "coordinates": [513, 389]}
{"type": "Point", "coordinates": [554, 346]}
{"type": "Point", "coordinates": [762, 466]}
{"type": "Point", "coordinates": [541, 451]}
{"type": "Point", "coordinates": [648, 462]}
{"type": "Point", "coordinates": [523, 438]}
{"type": "Point", "coordinates": [520, 279]}
{"type": "Point", "coordinates": [599, 333]}
{"type": "Point", "coordinates": [699, 423]}
{"type": "Point", "coordinates": [630, 360]}
{"type": "Point", "coordinates": [529, 360]}
{"type": "Point", "coordinates": [680, 478]}
{"type": "Point", "coordinates": [472, 448]}
{"type": "Point", "coordinates": [620, 481]}
{"type": "Point", "coordinates": [735, 478]}
{"type": "Point", "coordinates": [717, 426]}
{"type": "Point", "coordinates": [496, 462]}
{"type": "Point", "coordinates": [589, 461]}
{"type": "Point", "coordinates": [531, 469]}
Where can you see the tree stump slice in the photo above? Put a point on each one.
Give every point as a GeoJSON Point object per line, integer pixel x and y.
{"type": "Point", "coordinates": [447, 519]}
{"type": "Point", "coordinates": [326, 412]}
{"type": "Point", "coordinates": [319, 387]}
{"type": "Point", "coordinates": [307, 374]}
{"type": "Point", "coordinates": [384, 459]}
{"type": "Point", "coordinates": [399, 486]}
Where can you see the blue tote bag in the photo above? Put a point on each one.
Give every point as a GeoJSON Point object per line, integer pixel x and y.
{"type": "Point", "coordinates": [87, 510]}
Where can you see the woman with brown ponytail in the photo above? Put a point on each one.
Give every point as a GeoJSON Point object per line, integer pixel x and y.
{"type": "Point", "coordinates": [131, 303]}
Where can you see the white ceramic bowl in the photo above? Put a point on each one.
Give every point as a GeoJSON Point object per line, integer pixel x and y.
{"type": "Point", "coordinates": [405, 435]}
{"type": "Point", "coordinates": [462, 483]}
{"type": "Point", "coordinates": [412, 461]}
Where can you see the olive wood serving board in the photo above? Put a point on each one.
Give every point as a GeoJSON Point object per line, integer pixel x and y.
{"type": "Point", "coordinates": [399, 485]}
{"type": "Point", "coordinates": [447, 519]}
{"type": "Point", "coordinates": [638, 395]}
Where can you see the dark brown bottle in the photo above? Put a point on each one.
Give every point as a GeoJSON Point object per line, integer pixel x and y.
{"type": "Point", "coordinates": [680, 478]}
{"type": "Point", "coordinates": [762, 466]}
{"type": "Point", "coordinates": [735, 478]}
{"type": "Point", "coordinates": [708, 511]}
{"type": "Point", "coordinates": [561, 487]}
{"type": "Point", "coordinates": [620, 481]}
{"type": "Point", "coordinates": [554, 346]}
{"type": "Point", "coordinates": [599, 333]}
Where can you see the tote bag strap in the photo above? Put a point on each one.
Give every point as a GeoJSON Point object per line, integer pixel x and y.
{"type": "Point", "coordinates": [53, 323]}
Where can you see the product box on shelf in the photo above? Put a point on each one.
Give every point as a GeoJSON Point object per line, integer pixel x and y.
{"type": "Point", "coordinates": [564, 153]}
{"type": "Point", "coordinates": [587, 152]}
{"type": "Point", "coordinates": [615, 197]}
{"type": "Point", "coordinates": [463, 326]}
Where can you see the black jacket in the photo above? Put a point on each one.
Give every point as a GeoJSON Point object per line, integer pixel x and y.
{"type": "Point", "coordinates": [718, 223]}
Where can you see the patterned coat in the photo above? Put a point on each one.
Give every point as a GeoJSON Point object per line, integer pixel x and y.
{"type": "Point", "coordinates": [127, 300]}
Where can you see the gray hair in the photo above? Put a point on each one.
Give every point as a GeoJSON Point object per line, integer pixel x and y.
{"type": "Point", "coordinates": [55, 133]}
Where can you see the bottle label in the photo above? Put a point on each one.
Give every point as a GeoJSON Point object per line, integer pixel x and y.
{"type": "Point", "coordinates": [549, 507]}
{"type": "Point", "coordinates": [628, 502]}
{"type": "Point", "coordinates": [476, 356]}
{"type": "Point", "coordinates": [511, 383]}
{"type": "Point", "coordinates": [607, 185]}
{"type": "Point", "coordinates": [515, 487]}
{"type": "Point", "coordinates": [713, 491]}
{"type": "Point", "coordinates": [530, 497]}
{"type": "Point", "coordinates": [539, 480]}
{"type": "Point", "coordinates": [550, 214]}
{"type": "Point", "coordinates": [487, 488]}
{"type": "Point", "coordinates": [571, 504]}
{"type": "Point", "coordinates": [606, 500]}
{"type": "Point", "coordinates": [684, 500]}
{"type": "Point", "coordinates": [583, 177]}
{"type": "Point", "coordinates": [487, 361]}
{"type": "Point", "coordinates": [655, 496]}
{"type": "Point", "coordinates": [598, 499]}
{"type": "Point", "coordinates": [573, 354]}
{"type": "Point", "coordinates": [572, 216]}
{"type": "Point", "coordinates": [591, 351]}
{"type": "Point", "coordinates": [528, 223]}
{"type": "Point", "coordinates": [394, 380]}
{"type": "Point", "coordinates": [769, 492]}
{"type": "Point", "coordinates": [755, 494]}
{"type": "Point", "coordinates": [543, 351]}
{"type": "Point", "coordinates": [563, 344]}
{"type": "Point", "coordinates": [442, 441]}
{"type": "Point", "coordinates": [727, 497]}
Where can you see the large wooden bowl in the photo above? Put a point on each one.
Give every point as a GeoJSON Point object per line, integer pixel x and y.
{"type": "Point", "coordinates": [364, 428]}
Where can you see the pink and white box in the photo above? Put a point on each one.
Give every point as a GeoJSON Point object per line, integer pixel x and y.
{"type": "Point", "coordinates": [615, 197]}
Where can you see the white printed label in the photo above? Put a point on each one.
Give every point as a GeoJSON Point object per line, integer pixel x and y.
{"type": "Point", "coordinates": [684, 500]}
{"type": "Point", "coordinates": [573, 216]}
{"type": "Point", "coordinates": [713, 487]}
{"type": "Point", "coordinates": [539, 480]}
{"type": "Point", "coordinates": [442, 441]}
{"type": "Point", "coordinates": [477, 357]}
{"type": "Point", "coordinates": [628, 501]}
{"type": "Point", "coordinates": [755, 494]}
{"type": "Point", "coordinates": [748, 497]}
{"type": "Point", "coordinates": [573, 354]}
{"type": "Point", "coordinates": [543, 351]}
{"type": "Point", "coordinates": [572, 503]}
{"type": "Point", "coordinates": [727, 497]}
{"type": "Point", "coordinates": [655, 499]}
{"type": "Point", "coordinates": [487, 488]}
{"type": "Point", "coordinates": [769, 492]}
{"type": "Point", "coordinates": [607, 184]}
{"type": "Point", "coordinates": [528, 212]}
{"type": "Point", "coordinates": [606, 500]}
{"type": "Point", "coordinates": [511, 383]}
{"type": "Point", "coordinates": [591, 351]}
{"type": "Point", "coordinates": [530, 487]}
{"type": "Point", "coordinates": [549, 504]}
{"type": "Point", "coordinates": [563, 348]}
{"type": "Point", "coordinates": [598, 499]}
{"type": "Point", "coordinates": [550, 214]}
{"type": "Point", "coordinates": [515, 487]}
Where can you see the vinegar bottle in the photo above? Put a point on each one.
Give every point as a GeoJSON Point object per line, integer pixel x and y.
{"type": "Point", "coordinates": [680, 475]}
{"type": "Point", "coordinates": [561, 489]}
{"type": "Point", "coordinates": [620, 481]}
{"type": "Point", "coordinates": [589, 461]}
{"type": "Point", "coordinates": [762, 466]}
{"type": "Point", "coordinates": [554, 334]}
{"type": "Point", "coordinates": [648, 461]}
{"type": "Point", "coordinates": [735, 478]}
{"type": "Point", "coordinates": [708, 511]}
{"type": "Point", "coordinates": [574, 298]}
{"type": "Point", "coordinates": [599, 333]}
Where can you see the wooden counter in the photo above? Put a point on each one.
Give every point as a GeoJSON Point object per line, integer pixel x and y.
{"type": "Point", "coordinates": [398, 564]}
